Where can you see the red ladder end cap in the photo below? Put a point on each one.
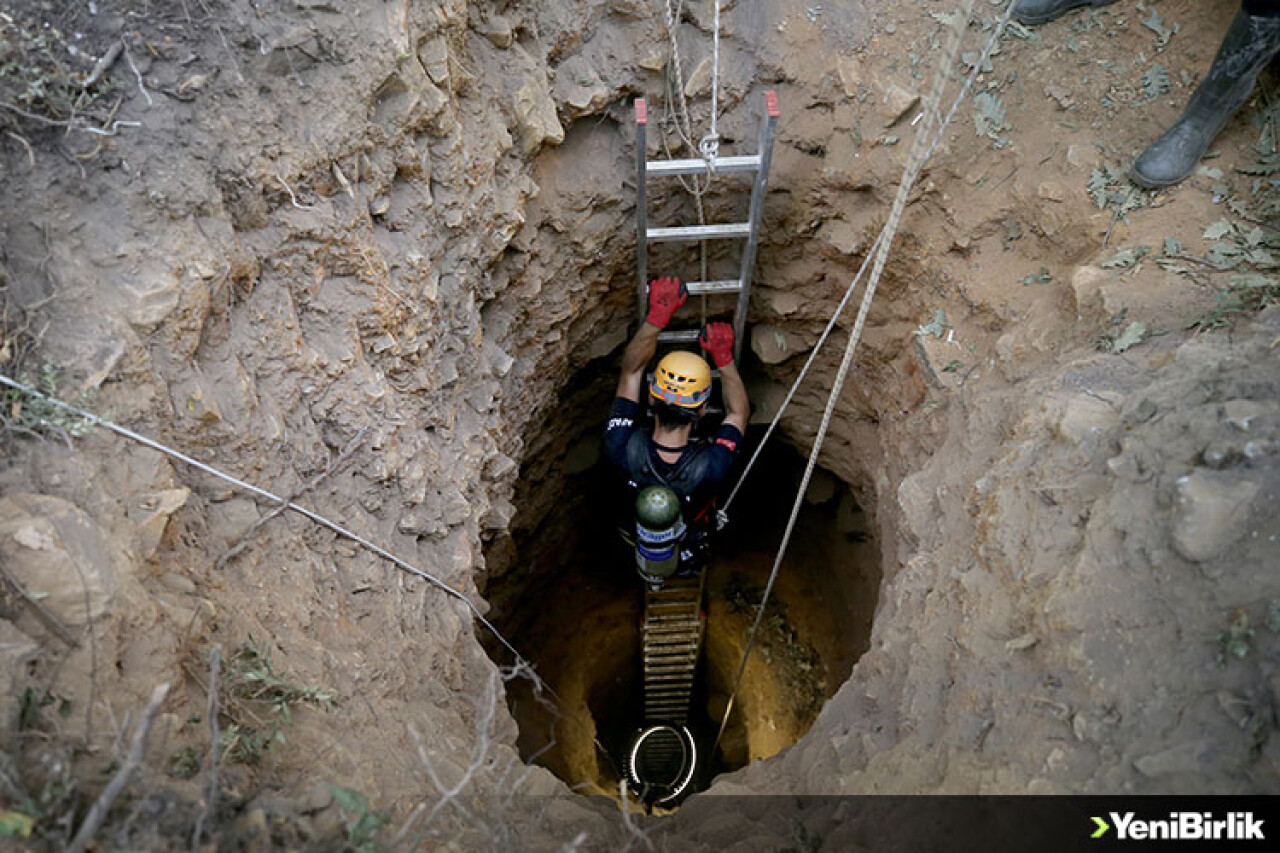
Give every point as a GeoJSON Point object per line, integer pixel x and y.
{"type": "Point", "coordinates": [642, 110]}
{"type": "Point", "coordinates": [771, 104]}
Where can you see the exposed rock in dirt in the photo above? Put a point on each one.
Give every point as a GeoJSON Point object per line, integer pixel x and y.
{"type": "Point", "coordinates": [55, 552]}
{"type": "Point", "coordinates": [1213, 511]}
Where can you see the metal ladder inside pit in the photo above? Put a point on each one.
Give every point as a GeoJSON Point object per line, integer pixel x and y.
{"type": "Point", "coordinates": [749, 231]}
{"type": "Point", "coordinates": [672, 639]}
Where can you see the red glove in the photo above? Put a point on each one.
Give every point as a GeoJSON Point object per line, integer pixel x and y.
{"type": "Point", "coordinates": [666, 295]}
{"type": "Point", "coordinates": [717, 340]}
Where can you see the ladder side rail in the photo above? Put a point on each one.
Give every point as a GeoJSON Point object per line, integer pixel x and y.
{"type": "Point", "coordinates": [768, 129]}
{"type": "Point", "coordinates": [642, 212]}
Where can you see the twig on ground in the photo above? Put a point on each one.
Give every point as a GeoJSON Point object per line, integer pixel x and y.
{"type": "Point", "coordinates": [93, 656]}
{"type": "Point", "coordinates": [98, 812]}
{"type": "Point", "coordinates": [408, 824]}
{"type": "Point", "coordinates": [8, 426]}
{"type": "Point", "coordinates": [293, 198]}
{"type": "Point", "coordinates": [36, 117]}
{"type": "Point", "coordinates": [1106, 238]}
{"type": "Point", "coordinates": [342, 179]}
{"type": "Point", "coordinates": [1193, 259]}
{"type": "Point", "coordinates": [104, 64]}
{"type": "Point", "coordinates": [128, 57]}
{"type": "Point", "coordinates": [449, 795]}
{"type": "Point", "coordinates": [70, 124]}
{"type": "Point", "coordinates": [334, 465]}
{"type": "Point", "coordinates": [74, 161]}
{"type": "Point", "coordinates": [211, 764]}
{"type": "Point", "coordinates": [42, 613]}
{"type": "Point", "coordinates": [31, 156]}
{"type": "Point", "coordinates": [223, 36]}
{"type": "Point", "coordinates": [576, 844]}
{"type": "Point", "coordinates": [115, 128]}
{"type": "Point", "coordinates": [632, 830]}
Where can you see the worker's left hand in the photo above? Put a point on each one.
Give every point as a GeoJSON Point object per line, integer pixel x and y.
{"type": "Point", "coordinates": [666, 295]}
{"type": "Point", "coordinates": [717, 340]}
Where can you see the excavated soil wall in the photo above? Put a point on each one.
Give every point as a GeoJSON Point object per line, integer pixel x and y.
{"type": "Point", "coordinates": [374, 257]}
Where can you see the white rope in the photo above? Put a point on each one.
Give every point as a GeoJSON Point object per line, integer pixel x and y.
{"type": "Point", "coordinates": [722, 515]}
{"type": "Point", "coordinates": [521, 667]}
{"type": "Point", "coordinates": [920, 153]}
{"type": "Point", "coordinates": [693, 186]}
{"type": "Point", "coordinates": [249, 487]}
{"type": "Point", "coordinates": [710, 144]}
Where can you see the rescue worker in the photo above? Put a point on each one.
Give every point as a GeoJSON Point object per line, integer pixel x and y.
{"type": "Point", "coordinates": [1250, 43]}
{"type": "Point", "coordinates": [668, 453]}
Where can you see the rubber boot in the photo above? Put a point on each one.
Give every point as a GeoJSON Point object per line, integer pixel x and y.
{"type": "Point", "coordinates": [1039, 11]}
{"type": "Point", "coordinates": [1250, 43]}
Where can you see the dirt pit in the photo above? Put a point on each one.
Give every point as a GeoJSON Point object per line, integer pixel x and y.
{"type": "Point", "coordinates": [573, 605]}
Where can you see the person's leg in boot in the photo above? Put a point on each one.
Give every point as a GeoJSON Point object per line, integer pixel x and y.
{"type": "Point", "coordinates": [1250, 43]}
{"type": "Point", "coordinates": [1041, 11]}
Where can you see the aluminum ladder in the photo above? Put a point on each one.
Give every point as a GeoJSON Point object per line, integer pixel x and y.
{"type": "Point", "coordinates": [749, 231]}
{"type": "Point", "coordinates": [672, 637]}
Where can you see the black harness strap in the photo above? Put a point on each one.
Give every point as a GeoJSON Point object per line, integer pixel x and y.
{"type": "Point", "coordinates": [684, 479]}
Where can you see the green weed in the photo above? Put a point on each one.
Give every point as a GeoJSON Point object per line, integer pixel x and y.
{"type": "Point", "coordinates": [1244, 296]}
{"type": "Point", "coordinates": [34, 415]}
{"type": "Point", "coordinates": [258, 703]}
{"type": "Point", "coordinates": [35, 77]}
{"type": "Point", "coordinates": [361, 823]}
{"type": "Point", "coordinates": [1236, 640]}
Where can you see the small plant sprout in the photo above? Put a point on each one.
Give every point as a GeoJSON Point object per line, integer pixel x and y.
{"type": "Point", "coordinates": [1235, 641]}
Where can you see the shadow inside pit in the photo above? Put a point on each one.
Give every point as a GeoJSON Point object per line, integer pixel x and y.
{"type": "Point", "coordinates": [570, 600]}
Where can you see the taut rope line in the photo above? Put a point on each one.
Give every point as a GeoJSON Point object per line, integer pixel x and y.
{"type": "Point", "coordinates": [920, 152]}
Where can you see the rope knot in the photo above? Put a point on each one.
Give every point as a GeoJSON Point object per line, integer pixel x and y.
{"type": "Point", "coordinates": [709, 147]}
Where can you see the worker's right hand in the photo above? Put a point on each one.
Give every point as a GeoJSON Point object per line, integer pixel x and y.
{"type": "Point", "coordinates": [666, 295]}
{"type": "Point", "coordinates": [717, 340]}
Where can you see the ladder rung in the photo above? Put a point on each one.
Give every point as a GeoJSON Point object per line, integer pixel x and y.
{"type": "Point", "coordinates": [668, 656]}
{"type": "Point", "coordinates": [698, 166]}
{"type": "Point", "coordinates": [689, 643]}
{"type": "Point", "coordinates": [670, 633]}
{"type": "Point", "coordinates": [669, 627]}
{"type": "Point", "coordinates": [692, 619]}
{"type": "Point", "coordinates": [667, 619]}
{"type": "Point", "coordinates": [669, 651]}
{"type": "Point", "coordinates": [708, 288]}
{"type": "Point", "coordinates": [679, 641]}
{"type": "Point", "coordinates": [727, 230]}
{"type": "Point", "coordinates": [680, 336]}
{"type": "Point", "coordinates": [671, 590]}
{"type": "Point", "coordinates": [670, 637]}
{"type": "Point", "coordinates": [674, 596]}
{"type": "Point", "coordinates": [652, 670]}
{"type": "Point", "coordinates": [669, 662]}
{"type": "Point", "coordinates": [676, 586]}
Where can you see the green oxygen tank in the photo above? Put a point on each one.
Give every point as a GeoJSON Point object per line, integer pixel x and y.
{"type": "Point", "coordinates": [659, 531]}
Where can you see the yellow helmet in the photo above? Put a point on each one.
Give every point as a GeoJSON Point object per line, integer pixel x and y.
{"type": "Point", "coordinates": [682, 379]}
